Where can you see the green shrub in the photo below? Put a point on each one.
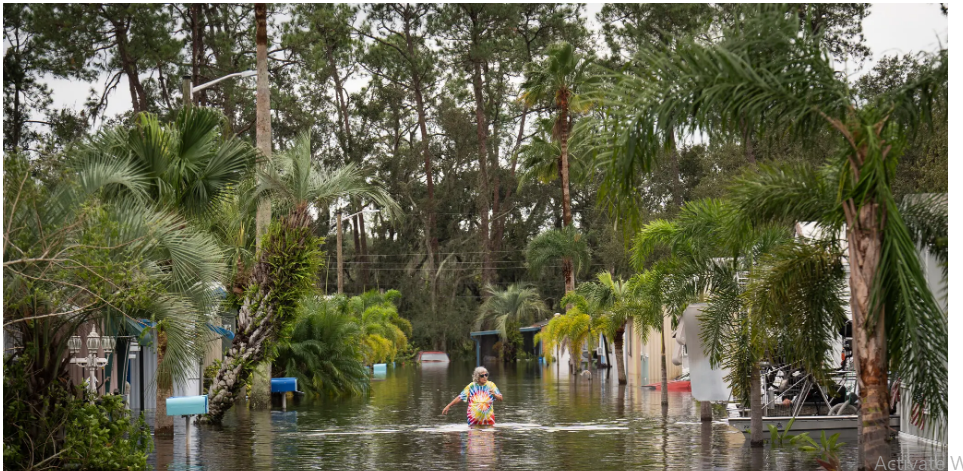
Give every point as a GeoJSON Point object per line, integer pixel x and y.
{"type": "Point", "coordinates": [59, 428]}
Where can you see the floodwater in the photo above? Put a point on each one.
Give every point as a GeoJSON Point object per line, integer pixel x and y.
{"type": "Point", "coordinates": [547, 421]}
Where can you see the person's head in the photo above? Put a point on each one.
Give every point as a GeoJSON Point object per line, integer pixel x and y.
{"type": "Point", "coordinates": [480, 375]}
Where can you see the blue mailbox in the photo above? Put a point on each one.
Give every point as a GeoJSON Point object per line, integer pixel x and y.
{"type": "Point", "coordinates": [380, 368]}
{"type": "Point", "coordinates": [283, 385]}
{"type": "Point", "coordinates": [187, 405]}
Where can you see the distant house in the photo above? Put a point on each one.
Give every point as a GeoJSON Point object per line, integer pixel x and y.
{"type": "Point", "coordinates": [643, 360]}
{"type": "Point", "coordinates": [485, 341]}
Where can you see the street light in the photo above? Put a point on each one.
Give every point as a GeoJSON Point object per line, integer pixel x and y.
{"type": "Point", "coordinates": [92, 362]}
{"type": "Point", "coordinates": [340, 259]}
{"type": "Point", "coordinates": [189, 90]}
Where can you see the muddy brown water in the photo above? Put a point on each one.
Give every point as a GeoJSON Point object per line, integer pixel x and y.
{"type": "Point", "coordinates": [547, 421]}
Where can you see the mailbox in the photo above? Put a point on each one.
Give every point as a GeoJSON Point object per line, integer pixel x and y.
{"type": "Point", "coordinates": [283, 385]}
{"type": "Point", "coordinates": [187, 405]}
{"type": "Point", "coordinates": [380, 368]}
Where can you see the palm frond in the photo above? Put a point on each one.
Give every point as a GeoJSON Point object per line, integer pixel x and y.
{"type": "Point", "coordinates": [554, 245]}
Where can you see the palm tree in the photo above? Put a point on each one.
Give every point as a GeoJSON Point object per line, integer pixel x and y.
{"type": "Point", "coordinates": [795, 192]}
{"type": "Point", "coordinates": [566, 245]}
{"type": "Point", "coordinates": [324, 352]}
{"type": "Point", "coordinates": [620, 303]}
{"type": "Point", "coordinates": [384, 332]}
{"type": "Point", "coordinates": [768, 70]}
{"type": "Point", "coordinates": [516, 305]}
{"type": "Point", "coordinates": [288, 261]}
{"type": "Point", "coordinates": [73, 256]}
{"type": "Point", "coordinates": [712, 249]}
{"type": "Point", "coordinates": [185, 166]}
{"type": "Point", "coordinates": [571, 330]}
{"type": "Point", "coordinates": [541, 155]}
{"type": "Point", "coordinates": [558, 79]}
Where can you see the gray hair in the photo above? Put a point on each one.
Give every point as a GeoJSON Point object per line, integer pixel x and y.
{"type": "Point", "coordinates": [478, 371]}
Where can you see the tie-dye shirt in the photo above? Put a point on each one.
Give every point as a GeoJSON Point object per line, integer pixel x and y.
{"type": "Point", "coordinates": [480, 398]}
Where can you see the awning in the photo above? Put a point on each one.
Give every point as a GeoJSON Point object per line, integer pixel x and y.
{"type": "Point", "coordinates": [221, 331]}
{"type": "Point", "coordinates": [138, 326]}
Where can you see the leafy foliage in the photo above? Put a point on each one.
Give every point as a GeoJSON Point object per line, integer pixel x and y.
{"type": "Point", "coordinates": [324, 352]}
{"type": "Point", "coordinates": [518, 305]}
{"type": "Point", "coordinates": [69, 429]}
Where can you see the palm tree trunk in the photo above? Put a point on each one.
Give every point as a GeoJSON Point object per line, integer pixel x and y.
{"type": "Point", "coordinates": [865, 243]}
{"type": "Point", "coordinates": [247, 350]}
{"type": "Point", "coordinates": [258, 322]}
{"type": "Point", "coordinates": [569, 273]}
{"type": "Point", "coordinates": [163, 424]}
{"type": "Point", "coordinates": [665, 379]}
{"type": "Point", "coordinates": [617, 340]}
{"type": "Point", "coordinates": [755, 406]}
{"type": "Point", "coordinates": [563, 138]}
{"type": "Point", "coordinates": [676, 176]}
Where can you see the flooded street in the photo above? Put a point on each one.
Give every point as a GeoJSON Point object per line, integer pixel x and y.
{"type": "Point", "coordinates": [547, 421]}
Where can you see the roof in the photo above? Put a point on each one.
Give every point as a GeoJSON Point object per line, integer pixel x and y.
{"type": "Point", "coordinates": [481, 333]}
{"type": "Point", "coordinates": [532, 328]}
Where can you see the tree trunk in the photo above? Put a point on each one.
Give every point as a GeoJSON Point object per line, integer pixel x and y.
{"type": "Point", "coordinates": [197, 49]}
{"type": "Point", "coordinates": [246, 351]}
{"type": "Point", "coordinates": [865, 243]}
{"type": "Point", "coordinates": [755, 406]}
{"type": "Point", "coordinates": [258, 322]}
{"type": "Point", "coordinates": [499, 224]}
{"type": "Point", "coordinates": [363, 252]}
{"type": "Point", "coordinates": [619, 361]}
{"type": "Point", "coordinates": [676, 178]}
{"type": "Point", "coordinates": [563, 168]}
{"type": "Point", "coordinates": [163, 424]}
{"type": "Point", "coordinates": [664, 373]}
{"type": "Point", "coordinates": [128, 64]}
{"type": "Point", "coordinates": [431, 239]}
{"type": "Point", "coordinates": [18, 117]}
{"type": "Point", "coordinates": [569, 273]}
{"type": "Point", "coordinates": [747, 144]}
{"type": "Point", "coordinates": [481, 128]}
{"type": "Point", "coordinates": [356, 229]}
{"type": "Point", "coordinates": [261, 390]}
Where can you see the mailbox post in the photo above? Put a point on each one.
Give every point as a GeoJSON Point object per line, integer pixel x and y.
{"type": "Point", "coordinates": [284, 386]}
{"type": "Point", "coordinates": [187, 406]}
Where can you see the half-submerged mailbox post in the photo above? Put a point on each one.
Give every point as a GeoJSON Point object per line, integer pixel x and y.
{"type": "Point", "coordinates": [187, 406]}
{"type": "Point", "coordinates": [284, 386]}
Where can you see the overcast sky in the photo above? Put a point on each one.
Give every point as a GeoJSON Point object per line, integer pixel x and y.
{"type": "Point", "coordinates": [890, 29]}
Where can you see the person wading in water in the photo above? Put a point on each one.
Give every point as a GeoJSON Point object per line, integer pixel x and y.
{"type": "Point", "coordinates": [481, 395]}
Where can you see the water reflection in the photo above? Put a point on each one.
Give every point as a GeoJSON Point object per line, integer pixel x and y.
{"type": "Point", "coordinates": [548, 420]}
{"type": "Point", "coordinates": [480, 448]}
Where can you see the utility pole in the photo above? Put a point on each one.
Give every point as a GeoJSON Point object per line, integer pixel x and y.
{"type": "Point", "coordinates": [186, 87]}
{"type": "Point", "coordinates": [340, 259]}
{"type": "Point", "coordinates": [263, 111]}
{"type": "Point", "coordinates": [261, 383]}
